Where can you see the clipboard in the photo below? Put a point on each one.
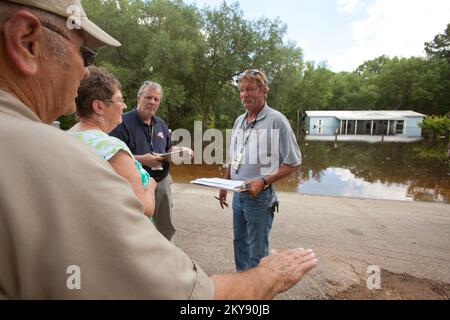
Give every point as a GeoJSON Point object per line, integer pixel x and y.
{"type": "Point", "coordinates": [224, 184]}
{"type": "Point", "coordinates": [167, 156]}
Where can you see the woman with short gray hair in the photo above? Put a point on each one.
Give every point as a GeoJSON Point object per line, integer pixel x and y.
{"type": "Point", "coordinates": [99, 108]}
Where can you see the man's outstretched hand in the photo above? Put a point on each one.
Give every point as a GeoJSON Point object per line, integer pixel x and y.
{"type": "Point", "coordinates": [290, 266]}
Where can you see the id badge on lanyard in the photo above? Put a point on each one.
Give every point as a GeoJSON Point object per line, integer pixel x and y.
{"type": "Point", "coordinates": [237, 162]}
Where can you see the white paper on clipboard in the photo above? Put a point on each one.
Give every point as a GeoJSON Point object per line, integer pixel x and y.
{"type": "Point", "coordinates": [167, 156]}
{"type": "Point", "coordinates": [219, 183]}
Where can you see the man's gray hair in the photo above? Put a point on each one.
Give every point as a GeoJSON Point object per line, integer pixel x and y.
{"type": "Point", "coordinates": [152, 85]}
{"type": "Point", "coordinates": [9, 8]}
{"type": "Point", "coordinates": [56, 44]}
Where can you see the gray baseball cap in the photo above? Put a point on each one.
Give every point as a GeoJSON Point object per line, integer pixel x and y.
{"type": "Point", "coordinates": [77, 19]}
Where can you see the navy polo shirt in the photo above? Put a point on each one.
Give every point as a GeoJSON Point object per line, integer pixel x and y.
{"type": "Point", "coordinates": [142, 139]}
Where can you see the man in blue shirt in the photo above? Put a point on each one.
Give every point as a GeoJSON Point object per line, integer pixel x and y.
{"type": "Point", "coordinates": [147, 136]}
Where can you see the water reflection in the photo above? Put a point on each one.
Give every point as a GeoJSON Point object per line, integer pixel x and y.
{"type": "Point", "coordinates": [341, 182]}
{"type": "Point", "coordinates": [354, 169]}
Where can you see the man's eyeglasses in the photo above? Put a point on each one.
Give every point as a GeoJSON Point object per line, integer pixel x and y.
{"type": "Point", "coordinates": [87, 54]}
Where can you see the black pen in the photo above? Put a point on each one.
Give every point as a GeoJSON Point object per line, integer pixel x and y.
{"type": "Point", "coordinates": [224, 203]}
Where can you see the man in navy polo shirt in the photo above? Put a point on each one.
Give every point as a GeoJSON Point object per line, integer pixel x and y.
{"type": "Point", "coordinates": [147, 136]}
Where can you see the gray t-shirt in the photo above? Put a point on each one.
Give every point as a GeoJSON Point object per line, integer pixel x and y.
{"type": "Point", "coordinates": [265, 144]}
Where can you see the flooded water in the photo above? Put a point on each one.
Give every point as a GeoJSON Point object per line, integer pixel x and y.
{"type": "Point", "coordinates": [395, 171]}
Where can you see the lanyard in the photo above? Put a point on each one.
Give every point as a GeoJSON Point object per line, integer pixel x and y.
{"type": "Point", "coordinates": [249, 133]}
{"type": "Point", "coordinates": [150, 131]}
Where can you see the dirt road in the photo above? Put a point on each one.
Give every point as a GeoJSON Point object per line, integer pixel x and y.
{"type": "Point", "coordinates": [408, 241]}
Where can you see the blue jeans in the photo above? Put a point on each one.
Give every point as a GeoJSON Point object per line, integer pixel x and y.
{"type": "Point", "coordinates": [252, 221]}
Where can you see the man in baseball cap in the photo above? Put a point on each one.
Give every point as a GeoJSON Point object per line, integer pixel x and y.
{"type": "Point", "coordinates": [76, 19]}
{"type": "Point", "coordinates": [70, 227]}
{"type": "Point", "coordinates": [51, 42]}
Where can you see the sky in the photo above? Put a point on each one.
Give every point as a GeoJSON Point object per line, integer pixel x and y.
{"type": "Point", "coordinates": [345, 33]}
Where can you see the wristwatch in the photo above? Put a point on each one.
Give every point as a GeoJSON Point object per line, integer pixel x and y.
{"type": "Point", "coordinates": [266, 185]}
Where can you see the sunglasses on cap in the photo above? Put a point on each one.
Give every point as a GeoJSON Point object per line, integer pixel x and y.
{"type": "Point", "coordinates": [258, 75]}
{"type": "Point", "coordinates": [253, 72]}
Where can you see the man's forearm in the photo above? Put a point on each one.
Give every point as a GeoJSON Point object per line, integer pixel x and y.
{"type": "Point", "coordinates": [149, 160]}
{"type": "Point", "coordinates": [255, 284]}
{"type": "Point", "coordinates": [284, 171]}
{"type": "Point", "coordinates": [274, 274]}
{"type": "Point", "coordinates": [141, 158]}
{"type": "Point", "coordinates": [227, 174]}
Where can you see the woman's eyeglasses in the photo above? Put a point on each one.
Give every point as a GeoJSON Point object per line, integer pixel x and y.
{"type": "Point", "coordinates": [121, 101]}
{"type": "Point", "coordinates": [87, 54]}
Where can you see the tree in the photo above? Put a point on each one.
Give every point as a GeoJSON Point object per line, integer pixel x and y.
{"type": "Point", "coordinates": [160, 39]}
{"type": "Point", "coordinates": [371, 67]}
{"type": "Point", "coordinates": [440, 46]}
{"type": "Point", "coordinates": [438, 52]}
{"type": "Point", "coordinates": [197, 56]}
{"type": "Point", "coordinates": [414, 84]}
{"type": "Point", "coordinates": [233, 44]}
{"type": "Point", "coordinates": [353, 91]}
{"type": "Point", "coordinates": [316, 87]}
{"type": "Point", "coordinates": [436, 126]}
{"type": "Point", "coordinates": [285, 82]}
{"type": "Point", "coordinates": [225, 51]}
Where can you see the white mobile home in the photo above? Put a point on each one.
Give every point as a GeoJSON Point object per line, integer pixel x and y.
{"type": "Point", "coordinates": [353, 124]}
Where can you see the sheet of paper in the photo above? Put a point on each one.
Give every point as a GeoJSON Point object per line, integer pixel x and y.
{"type": "Point", "coordinates": [167, 156]}
{"type": "Point", "coordinates": [231, 185]}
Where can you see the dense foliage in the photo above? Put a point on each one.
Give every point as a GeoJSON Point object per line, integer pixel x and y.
{"type": "Point", "coordinates": [436, 126]}
{"type": "Point", "coordinates": [196, 55]}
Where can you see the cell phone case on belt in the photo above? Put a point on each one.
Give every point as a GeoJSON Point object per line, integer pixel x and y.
{"type": "Point", "coordinates": [274, 203]}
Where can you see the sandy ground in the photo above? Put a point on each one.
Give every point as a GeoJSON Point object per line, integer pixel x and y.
{"type": "Point", "coordinates": [408, 241]}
